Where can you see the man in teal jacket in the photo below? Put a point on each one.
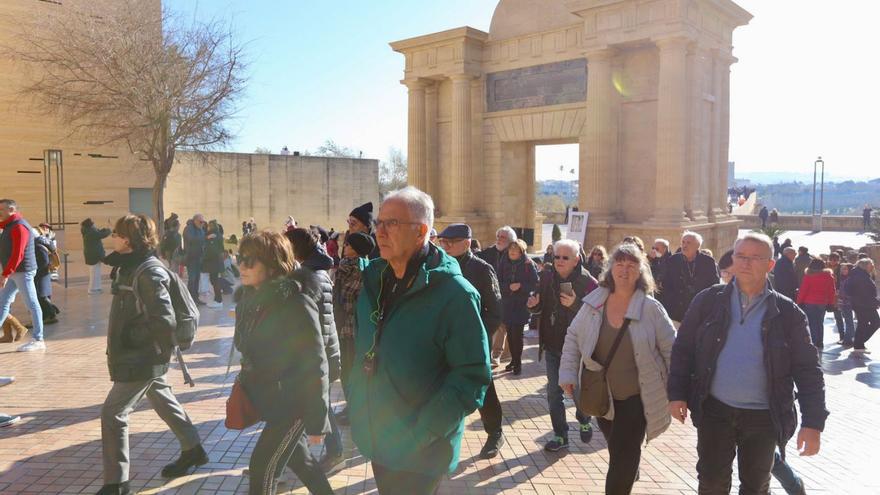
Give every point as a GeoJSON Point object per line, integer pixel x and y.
{"type": "Point", "coordinates": [421, 352]}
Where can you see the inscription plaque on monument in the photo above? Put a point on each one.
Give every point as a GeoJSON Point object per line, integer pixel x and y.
{"type": "Point", "coordinates": [541, 85]}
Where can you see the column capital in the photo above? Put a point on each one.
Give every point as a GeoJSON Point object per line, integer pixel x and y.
{"type": "Point", "coordinates": [462, 77]}
{"type": "Point", "coordinates": [724, 56]}
{"type": "Point", "coordinates": [599, 54]}
{"type": "Point", "coordinates": [415, 83]}
{"type": "Point", "coordinates": [673, 43]}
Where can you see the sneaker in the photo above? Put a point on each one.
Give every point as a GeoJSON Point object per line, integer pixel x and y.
{"type": "Point", "coordinates": [96, 292]}
{"type": "Point", "coordinates": [214, 305]}
{"type": "Point", "coordinates": [586, 433]}
{"type": "Point", "coordinates": [332, 463]}
{"type": "Point", "coordinates": [509, 367]}
{"type": "Point", "coordinates": [6, 380]}
{"type": "Point", "coordinates": [34, 345]}
{"type": "Point", "coordinates": [193, 457]}
{"type": "Point", "coordinates": [492, 445]}
{"type": "Point", "coordinates": [7, 420]}
{"type": "Point", "coordinates": [557, 444]}
{"type": "Point", "coordinates": [115, 489]}
{"type": "Point", "coordinates": [861, 351]}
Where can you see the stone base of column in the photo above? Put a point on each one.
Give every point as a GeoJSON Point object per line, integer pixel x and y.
{"type": "Point", "coordinates": [717, 236]}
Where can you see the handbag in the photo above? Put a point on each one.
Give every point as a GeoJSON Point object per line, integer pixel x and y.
{"type": "Point", "coordinates": [240, 411]}
{"type": "Point", "coordinates": [593, 399]}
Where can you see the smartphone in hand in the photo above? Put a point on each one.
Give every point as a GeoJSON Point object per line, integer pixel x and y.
{"type": "Point", "coordinates": [566, 288]}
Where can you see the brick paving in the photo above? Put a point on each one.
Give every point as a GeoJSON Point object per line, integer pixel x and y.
{"type": "Point", "coordinates": [56, 447]}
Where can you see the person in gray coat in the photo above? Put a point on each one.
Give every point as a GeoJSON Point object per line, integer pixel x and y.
{"type": "Point", "coordinates": [637, 374]}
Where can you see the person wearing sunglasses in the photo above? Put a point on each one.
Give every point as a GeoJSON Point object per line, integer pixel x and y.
{"type": "Point", "coordinates": [558, 300]}
{"type": "Point", "coordinates": [284, 368]}
{"type": "Point", "coordinates": [456, 241]}
{"type": "Point", "coordinates": [421, 352]}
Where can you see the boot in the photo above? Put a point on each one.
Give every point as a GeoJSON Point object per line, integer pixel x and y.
{"type": "Point", "coordinates": [7, 333]}
{"type": "Point", "coordinates": [193, 457]}
{"type": "Point", "coordinates": [120, 489]}
{"type": "Point", "coordinates": [13, 330]}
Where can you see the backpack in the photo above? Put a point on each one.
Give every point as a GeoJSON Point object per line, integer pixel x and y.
{"type": "Point", "coordinates": [185, 310]}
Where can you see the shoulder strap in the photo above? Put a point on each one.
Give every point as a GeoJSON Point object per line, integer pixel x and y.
{"type": "Point", "coordinates": [616, 344]}
{"type": "Point", "coordinates": [149, 263]}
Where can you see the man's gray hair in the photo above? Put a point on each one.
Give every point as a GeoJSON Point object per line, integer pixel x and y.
{"type": "Point", "coordinates": [10, 203]}
{"type": "Point", "coordinates": [419, 204]}
{"type": "Point", "coordinates": [865, 264]}
{"type": "Point", "coordinates": [567, 243]}
{"type": "Point", "coordinates": [789, 250]}
{"type": "Point", "coordinates": [758, 238]}
{"type": "Point", "coordinates": [693, 235]}
{"type": "Point", "coordinates": [662, 241]}
{"type": "Point", "coordinates": [507, 229]}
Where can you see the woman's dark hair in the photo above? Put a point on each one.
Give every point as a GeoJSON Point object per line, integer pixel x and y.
{"type": "Point", "coordinates": [271, 249]}
{"type": "Point", "coordinates": [304, 242]}
{"type": "Point", "coordinates": [88, 223]}
{"type": "Point", "coordinates": [816, 265]}
{"type": "Point", "coordinates": [601, 249]}
{"type": "Point", "coordinates": [726, 260]}
{"type": "Point", "coordinates": [475, 246]}
{"type": "Point", "coordinates": [628, 251]}
{"type": "Point", "coordinates": [140, 230]}
{"type": "Point", "coordinates": [636, 240]}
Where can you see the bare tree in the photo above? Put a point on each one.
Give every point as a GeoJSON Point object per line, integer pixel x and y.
{"type": "Point", "coordinates": [331, 149]}
{"type": "Point", "coordinates": [133, 74]}
{"type": "Point", "coordinates": [392, 172]}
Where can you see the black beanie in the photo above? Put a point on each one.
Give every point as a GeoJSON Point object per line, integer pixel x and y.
{"type": "Point", "coordinates": [364, 213]}
{"type": "Point", "coordinates": [363, 244]}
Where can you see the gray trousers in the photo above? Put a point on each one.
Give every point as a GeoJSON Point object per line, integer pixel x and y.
{"type": "Point", "coordinates": [120, 402]}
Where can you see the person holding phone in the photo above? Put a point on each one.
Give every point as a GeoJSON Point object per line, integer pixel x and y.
{"type": "Point", "coordinates": [518, 279]}
{"type": "Point", "coordinates": [557, 301]}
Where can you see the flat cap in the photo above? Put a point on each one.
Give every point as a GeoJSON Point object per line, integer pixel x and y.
{"type": "Point", "coordinates": [456, 231]}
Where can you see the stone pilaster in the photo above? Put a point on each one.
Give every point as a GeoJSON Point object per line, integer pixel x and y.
{"type": "Point", "coordinates": [417, 167]}
{"type": "Point", "coordinates": [432, 185]}
{"type": "Point", "coordinates": [461, 142]}
{"type": "Point", "coordinates": [598, 150]}
{"type": "Point", "coordinates": [672, 94]}
{"type": "Point", "coordinates": [721, 62]}
{"type": "Point", "coordinates": [699, 163]}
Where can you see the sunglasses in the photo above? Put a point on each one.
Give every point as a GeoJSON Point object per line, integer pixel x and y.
{"type": "Point", "coordinates": [246, 261]}
{"type": "Point", "coordinates": [563, 258]}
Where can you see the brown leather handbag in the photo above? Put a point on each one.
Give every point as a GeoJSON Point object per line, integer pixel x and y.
{"type": "Point", "coordinates": [593, 399]}
{"type": "Point", "coordinates": [240, 411]}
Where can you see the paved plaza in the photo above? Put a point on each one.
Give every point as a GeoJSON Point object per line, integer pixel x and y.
{"type": "Point", "coordinates": [56, 447]}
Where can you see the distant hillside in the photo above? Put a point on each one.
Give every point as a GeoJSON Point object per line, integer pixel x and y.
{"type": "Point", "coordinates": [786, 177]}
{"type": "Point", "coordinates": [841, 198]}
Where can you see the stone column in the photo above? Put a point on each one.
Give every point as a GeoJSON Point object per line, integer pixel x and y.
{"type": "Point", "coordinates": [672, 120]}
{"type": "Point", "coordinates": [726, 62]}
{"type": "Point", "coordinates": [417, 136]}
{"type": "Point", "coordinates": [699, 163]}
{"type": "Point", "coordinates": [598, 147]}
{"type": "Point", "coordinates": [461, 141]}
{"type": "Point", "coordinates": [721, 62]}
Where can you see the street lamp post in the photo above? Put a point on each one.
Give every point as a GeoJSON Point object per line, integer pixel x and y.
{"type": "Point", "coordinates": [817, 217]}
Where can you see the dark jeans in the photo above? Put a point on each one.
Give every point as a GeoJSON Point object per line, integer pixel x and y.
{"type": "Point", "coordinates": [49, 310]}
{"type": "Point", "coordinates": [333, 441]}
{"type": "Point", "coordinates": [193, 272]}
{"type": "Point", "coordinates": [555, 397]}
{"type": "Point", "coordinates": [390, 482]}
{"type": "Point", "coordinates": [515, 341]}
{"type": "Point", "coordinates": [490, 413]}
{"type": "Point", "coordinates": [283, 444]}
{"type": "Point", "coordinates": [346, 358]}
{"type": "Point", "coordinates": [624, 436]}
{"type": "Point", "coordinates": [786, 476]}
{"type": "Point", "coordinates": [218, 287]}
{"type": "Point", "coordinates": [726, 432]}
{"type": "Point", "coordinates": [816, 318]}
{"type": "Point", "coordinates": [848, 325]}
{"type": "Point", "coordinates": [838, 320]}
{"type": "Point", "coordinates": [869, 321]}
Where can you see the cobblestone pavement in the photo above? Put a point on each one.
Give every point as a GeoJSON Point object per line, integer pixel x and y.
{"type": "Point", "coordinates": [56, 447]}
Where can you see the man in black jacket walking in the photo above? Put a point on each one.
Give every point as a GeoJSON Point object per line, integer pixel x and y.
{"type": "Point", "coordinates": [738, 354]}
{"type": "Point", "coordinates": [687, 273]}
{"type": "Point", "coordinates": [863, 296]}
{"type": "Point", "coordinates": [456, 241]}
{"type": "Point", "coordinates": [784, 278]}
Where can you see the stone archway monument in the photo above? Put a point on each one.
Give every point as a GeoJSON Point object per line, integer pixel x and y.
{"type": "Point", "coordinates": [643, 87]}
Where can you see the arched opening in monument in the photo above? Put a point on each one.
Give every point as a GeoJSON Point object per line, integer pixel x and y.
{"type": "Point", "coordinates": [556, 184]}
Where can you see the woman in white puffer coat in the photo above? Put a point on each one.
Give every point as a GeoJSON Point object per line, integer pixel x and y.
{"type": "Point", "coordinates": [639, 369]}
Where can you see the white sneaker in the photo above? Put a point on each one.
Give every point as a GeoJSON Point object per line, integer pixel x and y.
{"type": "Point", "coordinates": [6, 380]}
{"type": "Point", "coordinates": [214, 304]}
{"type": "Point", "coordinates": [7, 420]}
{"type": "Point", "coordinates": [96, 292]}
{"type": "Point", "coordinates": [34, 345]}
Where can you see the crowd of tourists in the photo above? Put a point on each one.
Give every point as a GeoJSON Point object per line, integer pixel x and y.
{"type": "Point", "coordinates": [412, 322]}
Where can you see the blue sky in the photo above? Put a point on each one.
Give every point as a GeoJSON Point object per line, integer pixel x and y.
{"type": "Point", "coordinates": [805, 84]}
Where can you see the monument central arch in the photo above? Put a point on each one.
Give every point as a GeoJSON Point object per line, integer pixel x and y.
{"type": "Point", "coordinates": [641, 86]}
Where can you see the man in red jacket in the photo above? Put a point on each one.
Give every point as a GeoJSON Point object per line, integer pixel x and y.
{"type": "Point", "coordinates": [19, 265]}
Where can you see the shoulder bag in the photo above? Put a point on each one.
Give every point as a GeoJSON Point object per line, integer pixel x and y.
{"type": "Point", "coordinates": [594, 399]}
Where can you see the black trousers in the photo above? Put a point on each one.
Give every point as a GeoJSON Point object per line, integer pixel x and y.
{"type": "Point", "coordinates": [193, 274]}
{"type": "Point", "coordinates": [490, 413]}
{"type": "Point", "coordinates": [726, 432]}
{"type": "Point", "coordinates": [838, 320]}
{"type": "Point", "coordinates": [869, 321]}
{"type": "Point", "coordinates": [278, 444]}
{"type": "Point", "coordinates": [218, 288]}
{"type": "Point", "coordinates": [390, 482]}
{"type": "Point", "coordinates": [624, 436]}
{"type": "Point", "coordinates": [346, 358]}
{"type": "Point", "coordinates": [515, 341]}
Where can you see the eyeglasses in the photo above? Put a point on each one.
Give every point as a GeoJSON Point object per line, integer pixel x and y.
{"type": "Point", "coordinates": [391, 224]}
{"type": "Point", "coordinates": [246, 261]}
{"type": "Point", "coordinates": [563, 258]}
{"type": "Point", "coordinates": [443, 241]}
{"type": "Point", "coordinates": [749, 259]}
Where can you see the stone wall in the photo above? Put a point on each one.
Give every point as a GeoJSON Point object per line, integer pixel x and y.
{"type": "Point", "coordinates": [833, 223]}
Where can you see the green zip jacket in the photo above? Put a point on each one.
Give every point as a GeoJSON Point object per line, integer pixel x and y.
{"type": "Point", "coordinates": [432, 368]}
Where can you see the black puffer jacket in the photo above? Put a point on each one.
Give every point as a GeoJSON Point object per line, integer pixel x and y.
{"type": "Point", "coordinates": [283, 365]}
{"type": "Point", "coordinates": [789, 358]}
{"type": "Point", "coordinates": [315, 279]}
{"type": "Point", "coordinates": [139, 344]}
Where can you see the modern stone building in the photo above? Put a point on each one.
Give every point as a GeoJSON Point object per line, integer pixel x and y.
{"type": "Point", "coordinates": [643, 87]}
{"type": "Point", "coordinates": [62, 180]}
